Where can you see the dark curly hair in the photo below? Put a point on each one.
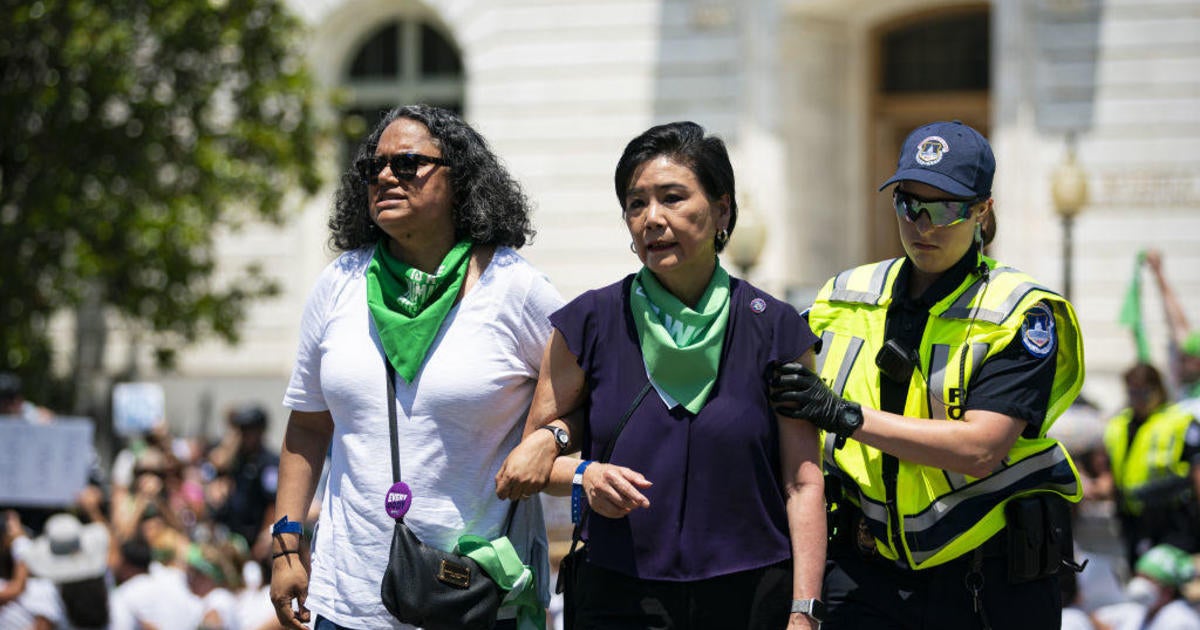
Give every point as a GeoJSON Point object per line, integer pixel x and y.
{"type": "Point", "coordinates": [685, 143]}
{"type": "Point", "coordinates": [489, 206]}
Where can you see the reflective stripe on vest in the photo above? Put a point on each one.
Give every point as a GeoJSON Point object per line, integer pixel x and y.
{"type": "Point", "coordinates": [942, 514]}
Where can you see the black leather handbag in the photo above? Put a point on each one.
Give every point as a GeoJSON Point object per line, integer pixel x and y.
{"type": "Point", "coordinates": [568, 567]}
{"type": "Point", "coordinates": [428, 587]}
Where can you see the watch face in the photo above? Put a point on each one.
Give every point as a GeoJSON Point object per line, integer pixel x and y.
{"type": "Point", "coordinates": [560, 436]}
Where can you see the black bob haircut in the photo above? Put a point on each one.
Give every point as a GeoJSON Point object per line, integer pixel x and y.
{"type": "Point", "coordinates": [683, 142]}
{"type": "Point", "coordinates": [489, 206]}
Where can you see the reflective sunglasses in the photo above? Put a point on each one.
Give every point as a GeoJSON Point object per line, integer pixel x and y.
{"type": "Point", "coordinates": [940, 213]}
{"type": "Point", "coordinates": [404, 166]}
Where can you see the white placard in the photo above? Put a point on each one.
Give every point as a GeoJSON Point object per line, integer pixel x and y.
{"type": "Point", "coordinates": [137, 407]}
{"type": "Point", "coordinates": [44, 465]}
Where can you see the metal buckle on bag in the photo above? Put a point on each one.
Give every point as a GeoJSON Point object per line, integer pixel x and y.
{"type": "Point", "coordinates": [453, 574]}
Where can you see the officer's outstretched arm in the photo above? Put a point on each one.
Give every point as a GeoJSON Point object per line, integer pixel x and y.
{"type": "Point", "coordinates": [974, 446]}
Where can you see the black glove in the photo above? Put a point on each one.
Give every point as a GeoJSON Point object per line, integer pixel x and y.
{"type": "Point", "coordinates": [802, 394]}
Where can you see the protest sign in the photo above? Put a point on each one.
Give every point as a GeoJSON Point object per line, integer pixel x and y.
{"type": "Point", "coordinates": [44, 465]}
{"type": "Point", "coordinates": [137, 407]}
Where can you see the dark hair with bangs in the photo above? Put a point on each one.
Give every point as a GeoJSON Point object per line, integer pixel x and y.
{"type": "Point", "coordinates": [489, 206]}
{"type": "Point", "coordinates": [683, 142]}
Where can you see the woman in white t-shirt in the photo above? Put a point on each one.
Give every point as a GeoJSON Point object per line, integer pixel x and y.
{"type": "Point", "coordinates": [429, 280]}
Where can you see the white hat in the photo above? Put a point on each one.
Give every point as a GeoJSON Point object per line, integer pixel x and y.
{"type": "Point", "coordinates": [69, 551]}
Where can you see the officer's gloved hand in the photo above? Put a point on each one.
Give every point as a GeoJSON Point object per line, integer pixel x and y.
{"type": "Point", "coordinates": [799, 393]}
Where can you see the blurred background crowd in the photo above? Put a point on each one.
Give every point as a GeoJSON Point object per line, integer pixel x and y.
{"type": "Point", "coordinates": [174, 534]}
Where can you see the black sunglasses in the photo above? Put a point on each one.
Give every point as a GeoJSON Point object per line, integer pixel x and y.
{"type": "Point", "coordinates": [404, 165]}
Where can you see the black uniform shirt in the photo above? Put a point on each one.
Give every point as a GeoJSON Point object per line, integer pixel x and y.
{"type": "Point", "coordinates": [1016, 381]}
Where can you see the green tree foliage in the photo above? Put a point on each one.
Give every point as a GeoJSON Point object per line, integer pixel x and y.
{"type": "Point", "coordinates": [129, 131]}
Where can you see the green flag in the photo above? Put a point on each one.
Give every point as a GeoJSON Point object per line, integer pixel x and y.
{"type": "Point", "coordinates": [1131, 310]}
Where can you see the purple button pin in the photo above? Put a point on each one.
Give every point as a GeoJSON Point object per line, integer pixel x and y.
{"type": "Point", "coordinates": [399, 499]}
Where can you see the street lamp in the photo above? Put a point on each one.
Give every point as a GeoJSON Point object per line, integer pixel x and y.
{"type": "Point", "coordinates": [746, 243]}
{"type": "Point", "coordinates": [1068, 185]}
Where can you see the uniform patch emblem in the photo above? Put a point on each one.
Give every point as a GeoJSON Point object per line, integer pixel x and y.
{"type": "Point", "coordinates": [758, 305]}
{"type": "Point", "coordinates": [1037, 331]}
{"type": "Point", "coordinates": [931, 149]}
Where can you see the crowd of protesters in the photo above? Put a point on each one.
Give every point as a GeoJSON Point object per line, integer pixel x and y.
{"type": "Point", "coordinates": [173, 535]}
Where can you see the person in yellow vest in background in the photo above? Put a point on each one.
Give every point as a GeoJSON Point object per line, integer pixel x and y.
{"type": "Point", "coordinates": [1153, 467]}
{"type": "Point", "coordinates": [938, 376]}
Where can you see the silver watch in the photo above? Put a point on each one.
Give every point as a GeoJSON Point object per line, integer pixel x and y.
{"type": "Point", "coordinates": [562, 439]}
{"type": "Point", "coordinates": [811, 608]}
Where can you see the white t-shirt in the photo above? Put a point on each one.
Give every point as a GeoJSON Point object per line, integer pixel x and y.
{"type": "Point", "coordinates": [224, 604]}
{"type": "Point", "coordinates": [14, 615]}
{"type": "Point", "coordinates": [1177, 615]}
{"type": "Point", "coordinates": [159, 598]}
{"type": "Point", "coordinates": [254, 608]}
{"type": "Point", "coordinates": [457, 421]}
{"type": "Point", "coordinates": [1075, 619]}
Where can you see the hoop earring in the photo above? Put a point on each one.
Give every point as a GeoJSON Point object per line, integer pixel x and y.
{"type": "Point", "coordinates": [722, 237]}
{"type": "Point", "coordinates": [632, 247]}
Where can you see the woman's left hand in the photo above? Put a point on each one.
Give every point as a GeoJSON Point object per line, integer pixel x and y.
{"type": "Point", "coordinates": [527, 468]}
{"type": "Point", "coordinates": [797, 621]}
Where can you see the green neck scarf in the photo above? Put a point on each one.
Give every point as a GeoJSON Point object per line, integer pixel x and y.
{"type": "Point", "coordinates": [409, 305]}
{"type": "Point", "coordinates": [681, 346]}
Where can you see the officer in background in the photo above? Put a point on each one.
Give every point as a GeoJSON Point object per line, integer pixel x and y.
{"type": "Point", "coordinates": [938, 377]}
{"type": "Point", "coordinates": [252, 473]}
{"type": "Point", "coordinates": [1153, 467]}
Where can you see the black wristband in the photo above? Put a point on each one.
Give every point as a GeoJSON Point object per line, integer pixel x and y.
{"type": "Point", "coordinates": [848, 420]}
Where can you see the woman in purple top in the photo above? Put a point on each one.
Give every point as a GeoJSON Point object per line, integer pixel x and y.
{"type": "Point", "coordinates": [710, 512]}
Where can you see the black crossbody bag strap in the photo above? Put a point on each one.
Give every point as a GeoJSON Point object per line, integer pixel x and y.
{"type": "Point", "coordinates": [394, 431]}
{"type": "Point", "coordinates": [577, 532]}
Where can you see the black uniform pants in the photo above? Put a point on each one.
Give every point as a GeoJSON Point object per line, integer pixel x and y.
{"type": "Point", "coordinates": [875, 593]}
{"type": "Point", "coordinates": [758, 598]}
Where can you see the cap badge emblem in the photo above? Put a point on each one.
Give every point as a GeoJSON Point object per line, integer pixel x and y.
{"type": "Point", "coordinates": [931, 149]}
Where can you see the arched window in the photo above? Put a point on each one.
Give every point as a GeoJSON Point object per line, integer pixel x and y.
{"type": "Point", "coordinates": [944, 53]}
{"type": "Point", "coordinates": [405, 61]}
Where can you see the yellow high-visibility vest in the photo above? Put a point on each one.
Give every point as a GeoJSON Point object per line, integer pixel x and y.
{"type": "Point", "coordinates": [938, 515]}
{"type": "Point", "coordinates": [1155, 453]}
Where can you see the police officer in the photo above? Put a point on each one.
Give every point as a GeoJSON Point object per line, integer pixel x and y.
{"type": "Point", "coordinates": [254, 472]}
{"type": "Point", "coordinates": [938, 377]}
{"type": "Point", "coordinates": [1153, 464]}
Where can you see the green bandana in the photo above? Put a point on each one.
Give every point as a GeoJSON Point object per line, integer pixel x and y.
{"type": "Point", "coordinates": [681, 346]}
{"type": "Point", "coordinates": [500, 561]}
{"type": "Point", "coordinates": [409, 305]}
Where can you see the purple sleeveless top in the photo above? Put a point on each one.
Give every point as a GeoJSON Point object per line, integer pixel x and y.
{"type": "Point", "coordinates": [717, 503]}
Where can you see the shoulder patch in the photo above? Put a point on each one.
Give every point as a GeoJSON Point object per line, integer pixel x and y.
{"type": "Point", "coordinates": [1192, 437]}
{"type": "Point", "coordinates": [1037, 331]}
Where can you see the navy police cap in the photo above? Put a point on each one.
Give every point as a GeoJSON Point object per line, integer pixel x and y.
{"type": "Point", "coordinates": [949, 156]}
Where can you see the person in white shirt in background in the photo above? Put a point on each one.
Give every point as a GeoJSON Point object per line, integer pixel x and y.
{"type": "Point", "coordinates": [209, 579]}
{"type": "Point", "coordinates": [146, 600]}
{"type": "Point", "coordinates": [1155, 597]}
{"type": "Point", "coordinates": [14, 574]}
